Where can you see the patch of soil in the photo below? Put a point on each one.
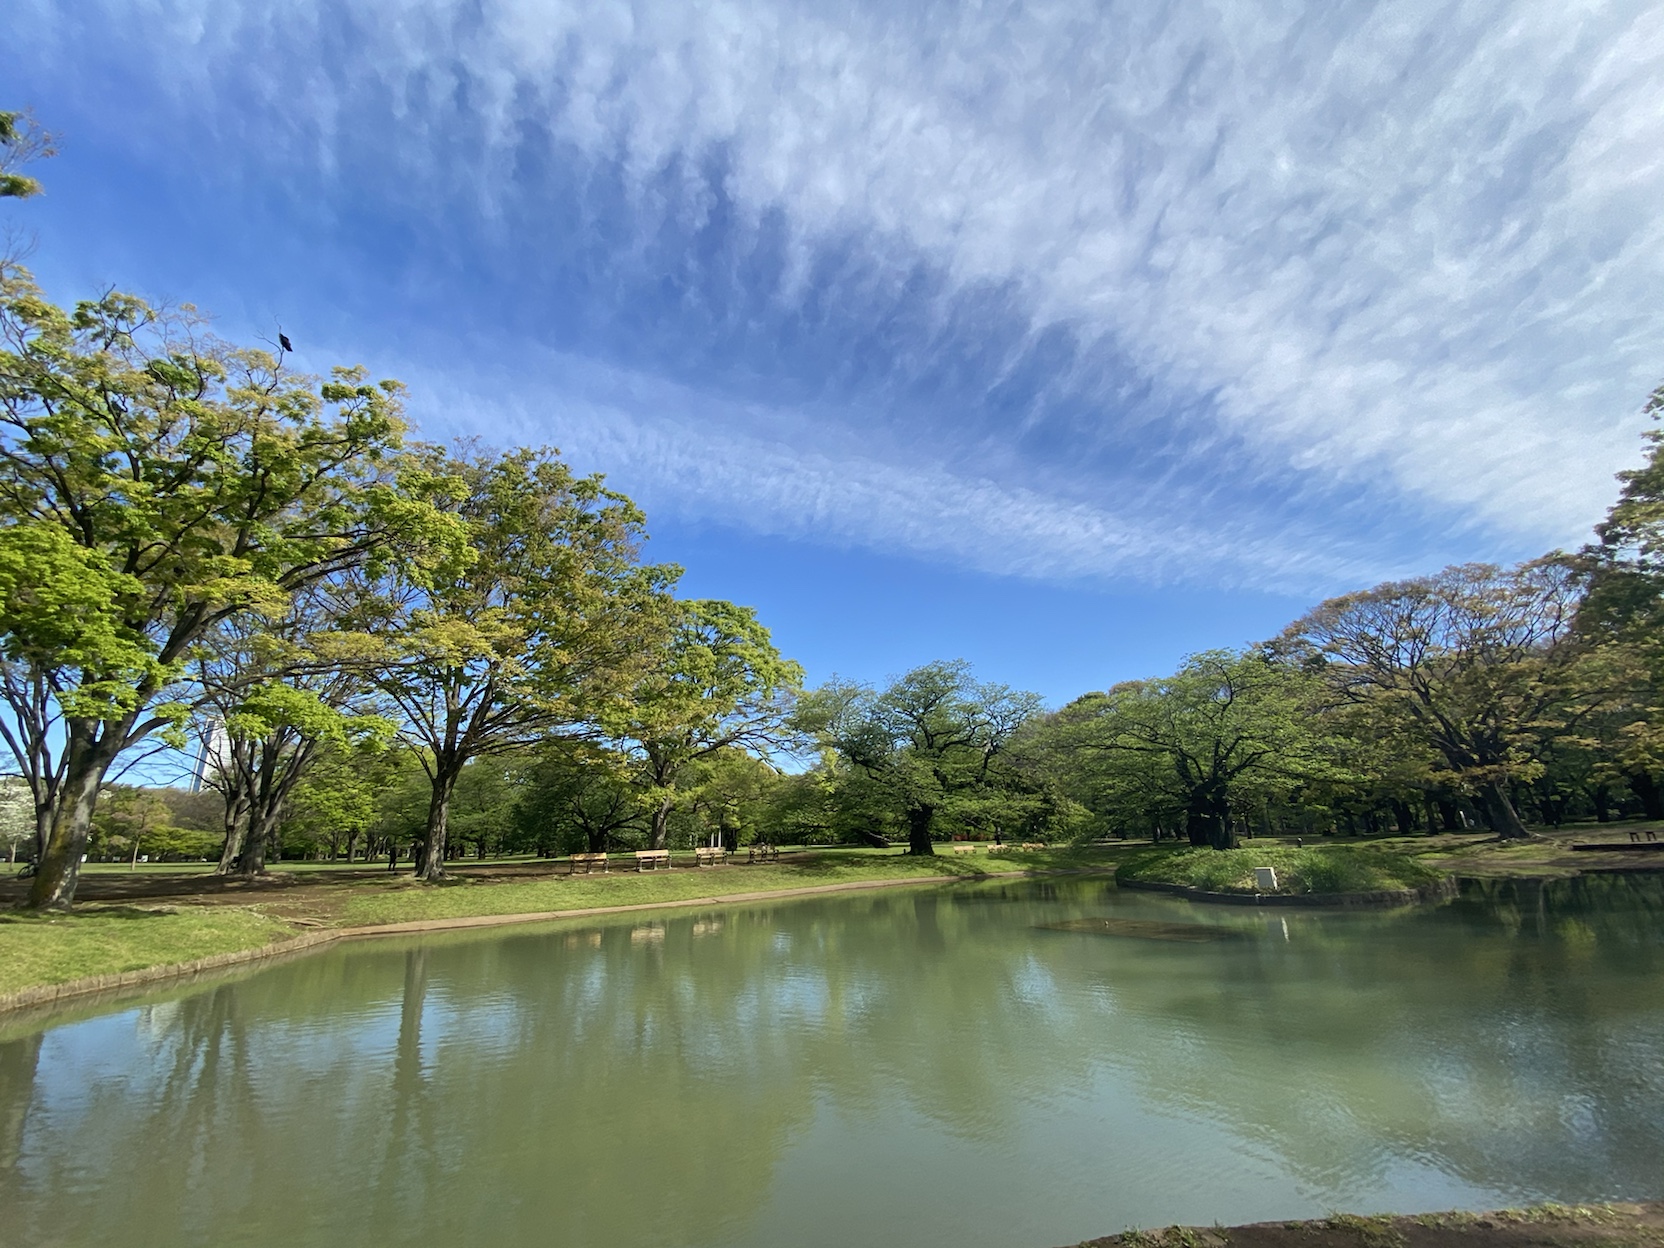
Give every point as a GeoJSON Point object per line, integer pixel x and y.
{"type": "Point", "coordinates": [1545, 1226]}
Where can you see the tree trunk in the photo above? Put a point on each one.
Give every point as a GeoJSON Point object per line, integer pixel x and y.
{"type": "Point", "coordinates": [1208, 821]}
{"type": "Point", "coordinates": [1504, 820]}
{"type": "Point", "coordinates": [236, 832]}
{"type": "Point", "coordinates": [430, 864]}
{"type": "Point", "coordinates": [1603, 804]}
{"type": "Point", "coordinates": [59, 869]}
{"type": "Point", "coordinates": [1646, 788]}
{"type": "Point", "coordinates": [43, 832]}
{"type": "Point", "coordinates": [1198, 825]}
{"type": "Point", "coordinates": [658, 832]}
{"type": "Point", "coordinates": [919, 821]}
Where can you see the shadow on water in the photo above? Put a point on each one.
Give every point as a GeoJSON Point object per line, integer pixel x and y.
{"type": "Point", "coordinates": [1144, 929]}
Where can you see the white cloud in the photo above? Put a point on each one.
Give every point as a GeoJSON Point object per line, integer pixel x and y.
{"type": "Point", "coordinates": [795, 474]}
{"type": "Point", "coordinates": [1395, 241]}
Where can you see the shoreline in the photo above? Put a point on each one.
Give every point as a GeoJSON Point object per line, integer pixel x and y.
{"type": "Point", "coordinates": [1619, 1224]}
{"type": "Point", "coordinates": [123, 983]}
{"type": "Point", "coordinates": [1440, 891]}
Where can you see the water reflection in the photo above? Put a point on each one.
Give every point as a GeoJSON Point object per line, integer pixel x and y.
{"type": "Point", "coordinates": [968, 1066]}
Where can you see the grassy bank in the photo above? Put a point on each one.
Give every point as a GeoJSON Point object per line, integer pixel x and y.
{"type": "Point", "coordinates": [625, 887]}
{"type": "Point", "coordinates": [1315, 869]}
{"type": "Point", "coordinates": [108, 938]}
{"type": "Point", "coordinates": [55, 949]}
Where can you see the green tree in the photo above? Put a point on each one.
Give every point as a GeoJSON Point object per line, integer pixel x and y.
{"type": "Point", "coordinates": [535, 636]}
{"type": "Point", "coordinates": [129, 822]}
{"type": "Point", "coordinates": [579, 795]}
{"type": "Point", "coordinates": [153, 484]}
{"type": "Point", "coordinates": [484, 802]}
{"type": "Point", "coordinates": [1473, 659]}
{"type": "Point", "coordinates": [1221, 735]}
{"type": "Point", "coordinates": [21, 141]}
{"type": "Point", "coordinates": [715, 683]}
{"type": "Point", "coordinates": [726, 800]}
{"type": "Point", "coordinates": [279, 692]}
{"type": "Point", "coordinates": [337, 798]}
{"type": "Point", "coordinates": [928, 741]}
{"type": "Point", "coordinates": [1623, 610]}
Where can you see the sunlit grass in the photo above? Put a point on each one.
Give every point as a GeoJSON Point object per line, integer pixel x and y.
{"type": "Point", "coordinates": [106, 939]}
{"type": "Point", "coordinates": [54, 949]}
{"type": "Point", "coordinates": [622, 886]}
{"type": "Point", "coordinates": [1315, 869]}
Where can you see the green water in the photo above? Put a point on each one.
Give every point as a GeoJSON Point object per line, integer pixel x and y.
{"type": "Point", "coordinates": [920, 1067]}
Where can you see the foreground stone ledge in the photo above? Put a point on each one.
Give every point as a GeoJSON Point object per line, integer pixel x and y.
{"type": "Point", "coordinates": [1620, 1225]}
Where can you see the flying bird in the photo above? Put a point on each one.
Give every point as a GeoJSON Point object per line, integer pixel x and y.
{"type": "Point", "coordinates": [283, 341]}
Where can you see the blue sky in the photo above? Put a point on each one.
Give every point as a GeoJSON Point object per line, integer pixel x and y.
{"type": "Point", "coordinates": [1063, 338]}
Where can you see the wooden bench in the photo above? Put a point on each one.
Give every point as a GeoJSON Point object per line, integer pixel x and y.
{"type": "Point", "coordinates": [708, 856]}
{"type": "Point", "coordinates": [762, 852]}
{"type": "Point", "coordinates": [589, 862]}
{"type": "Point", "coordinates": [652, 859]}
{"type": "Point", "coordinates": [964, 849]}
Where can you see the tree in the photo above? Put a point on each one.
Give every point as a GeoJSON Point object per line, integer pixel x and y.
{"type": "Point", "coordinates": [154, 483]}
{"type": "Point", "coordinates": [1623, 610]}
{"type": "Point", "coordinates": [578, 795]}
{"type": "Point", "coordinates": [725, 799]}
{"type": "Point", "coordinates": [130, 819]}
{"type": "Point", "coordinates": [340, 796]}
{"type": "Point", "coordinates": [21, 141]}
{"type": "Point", "coordinates": [928, 740]}
{"type": "Point", "coordinates": [715, 683]}
{"type": "Point", "coordinates": [1472, 658]}
{"type": "Point", "coordinates": [484, 801]}
{"type": "Point", "coordinates": [535, 636]}
{"type": "Point", "coordinates": [1224, 733]}
{"type": "Point", "coordinates": [278, 693]}
{"type": "Point", "coordinates": [17, 816]}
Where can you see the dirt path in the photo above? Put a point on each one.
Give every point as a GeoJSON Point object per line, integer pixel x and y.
{"type": "Point", "coordinates": [1546, 1226]}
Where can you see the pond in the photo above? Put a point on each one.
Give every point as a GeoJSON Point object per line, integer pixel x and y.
{"type": "Point", "coordinates": [1017, 1065]}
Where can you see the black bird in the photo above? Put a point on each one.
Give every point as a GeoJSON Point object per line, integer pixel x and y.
{"type": "Point", "coordinates": [283, 341]}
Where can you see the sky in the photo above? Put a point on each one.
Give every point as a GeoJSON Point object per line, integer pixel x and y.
{"type": "Point", "coordinates": [1064, 338]}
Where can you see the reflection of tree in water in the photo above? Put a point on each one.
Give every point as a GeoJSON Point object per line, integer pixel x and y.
{"type": "Point", "coordinates": [641, 1082]}
{"type": "Point", "coordinates": [18, 1059]}
{"type": "Point", "coordinates": [1511, 1040]}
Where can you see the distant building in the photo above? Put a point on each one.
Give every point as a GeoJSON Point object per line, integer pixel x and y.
{"type": "Point", "coordinates": [212, 756]}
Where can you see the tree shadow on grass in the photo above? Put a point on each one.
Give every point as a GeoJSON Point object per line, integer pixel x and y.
{"type": "Point", "coordinates": [29, 918]}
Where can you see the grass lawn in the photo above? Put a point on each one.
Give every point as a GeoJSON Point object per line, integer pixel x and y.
{"type": "Point", "coordinates": [53, 949]}
{"type": "Point", "coordinates": [107, 938]}
{"type": "Point", "coordinates": [1316, 869]}
{"type": "Point", "coordinates": [625, 887]}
